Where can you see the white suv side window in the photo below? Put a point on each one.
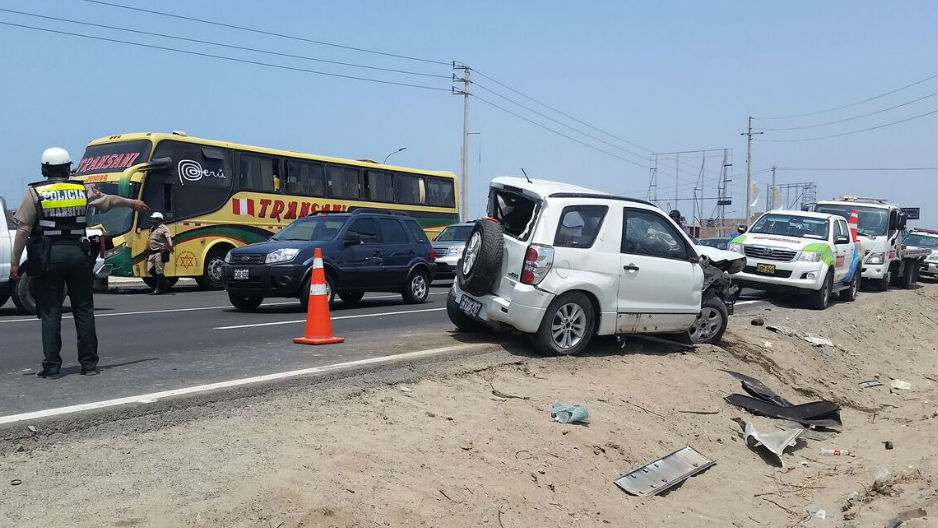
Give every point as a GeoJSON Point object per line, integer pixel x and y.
{"type": "Point", "coordinates": [648, 233]}
{"type": "Point", "coordinates": [579, 225]}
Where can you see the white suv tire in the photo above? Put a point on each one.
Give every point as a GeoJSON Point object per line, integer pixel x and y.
{"type": "Point", "coordinates": [481, 260]}
{"type": "Point", "coordinates": [567, 327]}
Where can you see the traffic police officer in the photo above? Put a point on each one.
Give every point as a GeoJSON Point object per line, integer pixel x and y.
{"type": "Point", "coordinates": [51, 222]}
{"type": "Point", "coordinates": [159, 245]}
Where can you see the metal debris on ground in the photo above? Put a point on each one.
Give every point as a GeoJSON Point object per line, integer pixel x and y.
{"type": "Point", "coordinates": [499, 394]}
{"type": "Point", "coordinates": [575, 413]}
{"type": "Point", "coordinates": [866, 384]}
{"type": "Point", "coordinates": [664, 473]}
{"type": "Point", "coordinates": [818, 341]}
{"type": "Point", "coordinates": [775, 442]}
{"type": "Point", "coordinates": [764, 401]}
{"type": "Point", "coordinates": [901, 385]}
{"type": "Point", "coordinates": [783, 330]}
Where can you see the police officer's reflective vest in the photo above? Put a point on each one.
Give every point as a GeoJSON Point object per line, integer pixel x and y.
{"type": "Point", "coordinates": [62, 207]}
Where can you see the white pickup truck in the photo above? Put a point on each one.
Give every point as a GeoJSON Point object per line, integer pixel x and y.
{"type": "Point", "coordinates": [879, 226]}
{"type": "Point", "coordinates": [802, 252]}
{"type": "Point", "coordinates": [20, 291]}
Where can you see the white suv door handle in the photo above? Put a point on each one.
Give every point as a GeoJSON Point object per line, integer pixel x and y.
{"type": "Point", "coordinates": [630, 267]}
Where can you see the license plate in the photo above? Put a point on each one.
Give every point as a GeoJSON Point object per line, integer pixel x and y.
{"type": "Point", "coordinates": [470, 306]}
{"type": "Point", "coordinates": [768, 269]}
{"type": "Point", "coordinates": [241, 274]}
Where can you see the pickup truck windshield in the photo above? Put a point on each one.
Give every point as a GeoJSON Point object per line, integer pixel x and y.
{"type": "Point", "coordinates": [791, 225]}
{"type": "Point", "coordinates": [316, 229]}
{"type": "Point", "coordinates": [871, 221]}
{"type": "Point", "coordinates": [923, 241]}
{"type": "Point", "coordinates": [118, 220]}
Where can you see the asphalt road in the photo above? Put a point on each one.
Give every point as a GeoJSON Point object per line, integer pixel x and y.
{"type": "Point", "coordinates": [157, 343]}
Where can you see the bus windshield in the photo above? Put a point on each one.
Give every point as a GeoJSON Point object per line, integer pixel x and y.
{"type": "Point", "coordinates": [113, 157]}
{"type": "Point", "coordinates": [791, 225]}
{"type": "Point", "coordinates": [119, 219]}
{"type": "Point", "coordinates": [871, 221]}
{"type": "Point", "coordinates": [315, 229]}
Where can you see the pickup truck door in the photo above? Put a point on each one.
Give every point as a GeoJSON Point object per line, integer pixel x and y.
{"type": "Point", "coordinates": [659, 280]}
{"type": "Point", "coordinates": [843, 253]}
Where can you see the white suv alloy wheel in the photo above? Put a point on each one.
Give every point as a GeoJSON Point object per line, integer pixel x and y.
{"type": "Point", "coordinates": [472, 252]}
{"type": "Point", "coordinates": [568, 326]}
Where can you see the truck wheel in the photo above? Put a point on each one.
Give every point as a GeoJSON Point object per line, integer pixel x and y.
{"type": "Point", "coordinates": [213, 271]}
{"type": "Point", "coordinates": [822, 298]}
{"type": "Point", "coordinates": [850, 293]}
{"type": "Point", "coordinates": [245, 303]}
{"type": "Point", "coordinates": [23, 295]}
{"type": "Point", "coordinates": [462, 321]}
{"type": "Point", "coordinates": [567, 327]}
{"type": "Point", "coordinates": [481, 260]}
{"type": "Point", "coordinates": [710, 323]}
{"type": "Point", "coordinates": [417, 288]}
{"type": "Point", "coordinates": [908, 277]}
{"type": "Point", "coordinates": [883, 284]}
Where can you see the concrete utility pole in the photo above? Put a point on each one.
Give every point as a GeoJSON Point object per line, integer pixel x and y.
{"type": "Point", "coordinates": [749, 133]}
{"type": "Point", "coordinates": [464, 155]}
{"type": "Point", "coordinates": [772, 192]}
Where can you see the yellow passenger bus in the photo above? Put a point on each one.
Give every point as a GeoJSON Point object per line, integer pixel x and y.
{"type": "Point", "coordinates": [217, 195]}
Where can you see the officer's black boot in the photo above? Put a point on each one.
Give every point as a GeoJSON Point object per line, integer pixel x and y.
{"type": "Point", "coordinates": [160, 285]}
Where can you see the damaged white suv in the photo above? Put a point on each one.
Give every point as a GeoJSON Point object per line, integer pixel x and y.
{"type": "Point", "coordinates": [563, 263]}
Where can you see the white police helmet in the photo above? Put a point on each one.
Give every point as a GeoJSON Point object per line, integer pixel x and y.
{"type": "Point", "coordinates": [56, 156]}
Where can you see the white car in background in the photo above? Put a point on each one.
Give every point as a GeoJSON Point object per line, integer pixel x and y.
{"type": "Point", "coordinates": [448, 247]}
{"type": "Point", "coordinates": [563, 263]}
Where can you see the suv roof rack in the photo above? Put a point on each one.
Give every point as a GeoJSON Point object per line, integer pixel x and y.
{"type": "Point", "coordinates": [375, 210]}
{"type": "Point", "coordinates": [861, 199]}
{"type": "Point", "coordinates": [321, 212]}
{"type": "Point", "coordinates": [601, 197]}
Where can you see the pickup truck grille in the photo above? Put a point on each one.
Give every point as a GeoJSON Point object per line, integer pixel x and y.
{"type": "Point", "coordinates": [248, 259]}
{"type": "Point", "coordinates": [769, 253]}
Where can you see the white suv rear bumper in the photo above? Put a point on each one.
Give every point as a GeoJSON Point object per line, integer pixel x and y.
{"type": "Point", "coordinates": [523, 312]}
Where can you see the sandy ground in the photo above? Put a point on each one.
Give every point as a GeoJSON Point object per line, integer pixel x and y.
{"type": "Point", "coordinates": [443, 450]}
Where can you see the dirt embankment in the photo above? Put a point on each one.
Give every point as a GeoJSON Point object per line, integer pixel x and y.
{"type": "Point", "coordinates": [475, 446]}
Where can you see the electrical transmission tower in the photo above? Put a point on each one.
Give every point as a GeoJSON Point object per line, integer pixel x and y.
{"type": "Point", "coordinates": [701, 177]}
{"type": "Point", "coordinates": [797, 195]}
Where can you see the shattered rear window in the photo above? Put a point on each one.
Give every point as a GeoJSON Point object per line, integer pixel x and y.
{"type": "Point", "coordinates": [516, 213]}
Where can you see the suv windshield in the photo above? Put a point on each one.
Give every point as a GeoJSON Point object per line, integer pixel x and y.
{"type": "Point", "coordinates": [791, 225]}
{"type": "Point", "coordinates": [454, 234]}
{"type": "Point", "coordinates": [113, 157]}
{"type": "Point", "coordinates": [118, 220]}
{"type": "Point", "coordinates": [315, 229]}
{"type": "Point", "coordinates": [871, 221]}
{"type": "Point", "coordinates": [925, 241]}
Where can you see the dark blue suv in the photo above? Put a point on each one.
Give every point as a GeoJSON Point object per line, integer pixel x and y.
{"type": "Point", "coordinates": [362, 251]}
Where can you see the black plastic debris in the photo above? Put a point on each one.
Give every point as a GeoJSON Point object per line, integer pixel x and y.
{"type": "Point", "coordinates": [820, 414]}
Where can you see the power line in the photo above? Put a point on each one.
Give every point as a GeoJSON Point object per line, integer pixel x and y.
{"type": "Point", "coordinates": [851, 132]}
{"type": "Point", "coordinates": [851, 169]}
{"type": "Point", "coordinates": [223, 45]}
{"type": "Point", "coordinates": [907, 103]}
{"type": "Point", "coordinates": [223, 57]}
{"type": "Point", "coordinates": [269, 33]}
{"type": "Point", "coordinates": [868, 99]}
{"type": "Point", "coordinates": [568, 116]}
{"type": "Point", "coordinates": [571, 138]}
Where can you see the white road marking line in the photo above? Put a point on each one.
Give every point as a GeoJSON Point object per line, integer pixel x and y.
{"type": "Point", "coordinates": [359, 316]}
{"type": "Point", "coordinates": [156, 396]}
{"type": "Point", "coordinates": [201, 308]}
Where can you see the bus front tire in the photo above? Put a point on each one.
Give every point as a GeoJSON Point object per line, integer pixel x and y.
{"type": "Point", "coordinates": [213, 271]}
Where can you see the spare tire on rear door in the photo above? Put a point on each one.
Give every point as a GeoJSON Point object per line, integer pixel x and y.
{"type": "Point", "coordinates": [481, 260]}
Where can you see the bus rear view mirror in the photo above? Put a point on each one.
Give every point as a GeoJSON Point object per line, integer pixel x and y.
{"type": "Point", "coordinates": [160, 164]}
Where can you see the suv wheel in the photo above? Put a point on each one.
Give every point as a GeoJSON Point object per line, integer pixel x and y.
{"type": "Point", "coordinates": [710, 324]}
{"type": "Point", "coordinates": [245, 303]}
{"type": "Point", "coordinates": [567, 327]}
{"type": "Point", "coordinates": [417, 288]}
{"type": "Point", "coordinates": [330, 292]}
{"type": "Point", "coordinates": [821, 298]}
{"type": "Point", "coordinates": [481, 260]}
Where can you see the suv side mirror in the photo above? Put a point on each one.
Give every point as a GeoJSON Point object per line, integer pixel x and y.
{"type": "Point", "coordinates": [741, 228]}
{"type": "Point", "coordinates": [841, 239]}
{"type": "Point", "coordinates": [351, 239]}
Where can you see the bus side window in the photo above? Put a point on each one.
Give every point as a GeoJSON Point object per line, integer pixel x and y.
{"type": "Point", "coordinates": [343, 182]}
{"type": "Point", "coordinates": [407, 189]}
{"type": "Point", "coordinates": [379, 186]}
{"type": "Point", "coordinates": [304, 178]}
{"type": "Point", "coordinates": [440, 192]}
{"type": "Point", "coordinates": [258, 173]}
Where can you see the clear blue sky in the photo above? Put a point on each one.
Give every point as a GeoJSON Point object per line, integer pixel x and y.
{"type": "Point", "coordinates": [664, 75]}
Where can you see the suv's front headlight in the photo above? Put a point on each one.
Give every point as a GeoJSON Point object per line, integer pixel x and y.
{"type": "Point", "coordinates": [810, 256]}
{"type": "Point", "coordinates": [281, 255]}
{"type": "Point", "coordinates": [738, 248]}
{"type": "Point", "coordinates": [875, 258]}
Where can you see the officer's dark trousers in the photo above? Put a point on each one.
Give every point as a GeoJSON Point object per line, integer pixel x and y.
{"type": "Point", "coordinates": [69, 266]}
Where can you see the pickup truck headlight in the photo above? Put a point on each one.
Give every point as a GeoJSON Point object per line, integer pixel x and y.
{"type": "Point", "coordinates": [281, 255]}
{"type": "Point", "coordinates": [810, 256]}
{"type": "Point", "coordinates": [738, 248]}
{"type": "Point", "coordinates": [875, 258]}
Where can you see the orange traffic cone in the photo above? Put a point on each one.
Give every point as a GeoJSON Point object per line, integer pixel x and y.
{"type": "Point", "coordinates": [852, 223]}
{"type": "Point", "coordinates": [318, 323]}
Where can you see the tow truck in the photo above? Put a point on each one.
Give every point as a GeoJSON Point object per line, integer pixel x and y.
{"type": "Point", "coordinates": [880, 225]}
{"type": "Point", "coordinates": [925, 239]}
